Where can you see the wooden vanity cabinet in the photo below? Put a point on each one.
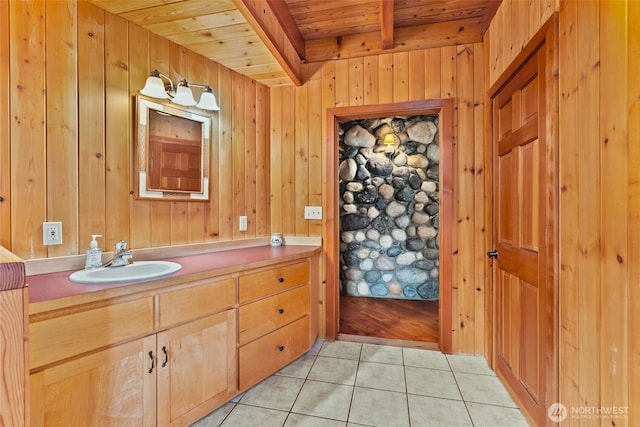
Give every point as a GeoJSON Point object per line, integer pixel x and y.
{"type": "Point", "coordinates": [124, 363]}
{"type": "Point", "coordinates": [168, 356]}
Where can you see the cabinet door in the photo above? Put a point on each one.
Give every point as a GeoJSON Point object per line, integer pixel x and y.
{"type": "Point", "coordinates": [111, 387]}
{"type": "Point", "coordinates": [197, 368]}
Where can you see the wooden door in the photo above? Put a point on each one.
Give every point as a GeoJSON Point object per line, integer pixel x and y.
{"type": "Point", "coordinates": [196, 368]}
{"type": "Point", "coordinates": [523, 292]}
{"type": "Point", "coordinates": [112, 387]}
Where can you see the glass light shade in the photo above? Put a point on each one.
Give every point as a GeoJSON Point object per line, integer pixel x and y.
{"type": "Point", "coordinates": [208, 101]}
{"type": "Point", "coordinates": [184, 96]}
{"type": "Point", "coordinates": [154, 88]}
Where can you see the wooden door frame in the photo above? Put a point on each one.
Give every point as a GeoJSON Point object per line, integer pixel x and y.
{"type": "Point", "coordinates": [443, 108]}
{"type": "Point", "coordinates": [546, 35]}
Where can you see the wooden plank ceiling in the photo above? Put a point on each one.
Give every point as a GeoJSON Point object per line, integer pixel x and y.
{"type": "Point", "coordinates": [268, 40]}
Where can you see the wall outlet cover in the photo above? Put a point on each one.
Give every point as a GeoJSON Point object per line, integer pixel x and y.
{"type": "Point", "coordinates": [313, 212]}
{"type": "Point", "coordinates": [51, 233]}
{"type": "Point", "coordinates": [243, 223]}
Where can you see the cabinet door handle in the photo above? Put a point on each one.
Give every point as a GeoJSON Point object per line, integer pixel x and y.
{"type": "Point", "coordinates": [166, 356]}
{"type": "Point", "coordinates": [152, 362]}
{"type": "Point", "coordinates": [281, 310]}
{"type": "Point", "coordinates": [281, 348]}
{"type": "Point", "coordinates": [280, 279]}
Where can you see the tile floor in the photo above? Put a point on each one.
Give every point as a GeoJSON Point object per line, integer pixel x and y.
{"type": "Point", "coordinates": [352, 384]}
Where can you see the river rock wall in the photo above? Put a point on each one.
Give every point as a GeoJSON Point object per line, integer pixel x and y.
{"type": "Point", "coordinates": [389, 208]}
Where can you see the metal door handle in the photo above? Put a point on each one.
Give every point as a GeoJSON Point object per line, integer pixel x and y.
{"type": "Point", "coordinates": [493, 254]}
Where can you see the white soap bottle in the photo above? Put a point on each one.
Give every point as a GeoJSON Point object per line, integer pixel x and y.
{"type": "Point", "coordinates": [94, 254]}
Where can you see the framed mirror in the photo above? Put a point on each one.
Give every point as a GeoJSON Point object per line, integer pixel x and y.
{"type": "Point", "coordinates": [172, 152]}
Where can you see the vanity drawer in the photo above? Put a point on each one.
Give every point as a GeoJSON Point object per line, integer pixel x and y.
{"type": "Point", "coordinates": [266, 355]}
{"type": "Point", "coordinates": [268, 314]}
{"type": "Point", "coordinates": [269, 281]}
{"type": "Point", "coordinates": [57, 338]}
{"type": "Point", "coordinates": [204, 297]}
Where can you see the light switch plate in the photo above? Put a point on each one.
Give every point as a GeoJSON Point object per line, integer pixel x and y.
{"type": "Point", "coordinates": [51, 233]}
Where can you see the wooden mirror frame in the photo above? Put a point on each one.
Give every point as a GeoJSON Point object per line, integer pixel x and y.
{"type": "Point", "coordinates": [142, 152]}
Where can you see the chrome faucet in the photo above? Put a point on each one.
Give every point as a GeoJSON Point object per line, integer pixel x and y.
{"type": "Point", "coordinates": [121, 256]}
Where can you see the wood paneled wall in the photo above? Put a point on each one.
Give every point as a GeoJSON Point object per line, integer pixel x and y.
{"type": "Point", "coordinates": [69, 72]}
{"type": "Point", "coordinates": [298, 126]}
{"type": "Point", "coordinates": [599, 188]}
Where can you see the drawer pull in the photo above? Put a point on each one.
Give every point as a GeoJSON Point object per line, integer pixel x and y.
{"type": "Point", "coordinates": [281, 348]}
{"type": "Point", "coordinates": [152, 362]}
{"type": "Point", "coordinates": [281, 279]}
{"type": "Point", "coordinates": [281, 310]}
{"type": "Point", "coordinates": [166, 356]}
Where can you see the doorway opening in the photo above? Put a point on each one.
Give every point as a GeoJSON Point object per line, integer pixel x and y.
{"type": "Point", "coordinates": [389, 222]}
{"type": "Point", "coordinates": [374, 241]}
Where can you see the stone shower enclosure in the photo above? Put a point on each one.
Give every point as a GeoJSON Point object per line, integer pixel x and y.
{"type": "Point", "coordinates": [389, 207]}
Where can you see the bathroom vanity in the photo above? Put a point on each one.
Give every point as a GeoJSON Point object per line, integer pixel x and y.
{"type": "Point", "coordinates": [171, 350]}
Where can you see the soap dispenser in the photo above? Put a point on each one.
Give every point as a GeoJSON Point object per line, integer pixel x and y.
{"type": "Point", "coordinates": [94, 254]}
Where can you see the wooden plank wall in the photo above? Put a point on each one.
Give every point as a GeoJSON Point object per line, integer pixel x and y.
{"type": "Point", "coordinates": [299, 169]}
{"type": "Point", "coordinates": [599, 160]}
{"type": "Point", "coordinates": [69, 72]}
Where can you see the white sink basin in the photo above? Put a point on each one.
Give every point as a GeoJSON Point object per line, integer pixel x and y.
{"type": "Point", "coordinates": [139, 270]}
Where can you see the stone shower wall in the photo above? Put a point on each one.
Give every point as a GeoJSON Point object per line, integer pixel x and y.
{"type": "Point", "coordinates": [389, 208]}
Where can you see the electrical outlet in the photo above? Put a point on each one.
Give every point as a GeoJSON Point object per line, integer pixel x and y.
{"type": "Point", "coordinates": [243, 223]}
{"type": "Point", "coordinates": [51, 233]}
{"type": "Point", "coordinates": [313, 212]}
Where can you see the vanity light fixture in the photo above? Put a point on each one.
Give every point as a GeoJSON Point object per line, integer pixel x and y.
{"type": "Point", "coordinates": [180, 94]}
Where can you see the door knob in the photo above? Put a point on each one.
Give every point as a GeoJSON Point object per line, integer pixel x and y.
{"type": "Point", "coordinates": [493, 254]}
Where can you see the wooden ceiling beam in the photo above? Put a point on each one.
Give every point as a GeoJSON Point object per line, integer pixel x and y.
{"type": "Point", "coordinates": [288, 24]}
{"type": "Point", "coordinates": [265, 23]}
{"type": "Point", "coordinates": [386, 23]}
{"type": "Point", "coordinates": [426, 36]}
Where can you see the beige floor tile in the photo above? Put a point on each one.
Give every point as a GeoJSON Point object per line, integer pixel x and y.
{"type": "Point", "coordinates": [341, 349]}
{"type": "Point", "coordinates": [426, 411]}
{"type": "Point", "coordinates": [275, 392]}
{"type": "Point", "coordinates": [381, 354]}
{"type": "Point", "coordinates": [381, 376]}
{"type": "Point", "coordinates": [483, 389]}
{"type": "Point", "coordinates": [496, 416]}
{"type": "Point", "coordinates": [379, 408]}
{"type": "Point", "coordinates": [421, 358]}
{"type": "Point", "coordinates": [299, 368]}
{"type": "Point", "coordinates": [360, 385]}
{"type": "Point", "coordinates": [215, 418]}
{"type": "Point", "coordinates": [432, 382]}
{"type": "Point", "coordinates": [333, 370]}
{"type": "Point", "coordinates": [470, 364]}
{"type": "Point", "coordinates": [325, 400]}
{"type": "Point", "coordinates": [252, 416]}
{"type": "Point", "coordinates": [297, 420]}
